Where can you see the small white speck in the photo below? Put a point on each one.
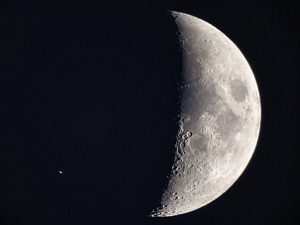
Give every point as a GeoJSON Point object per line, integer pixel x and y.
{"type": "Point", "coordinates": [60, 172]}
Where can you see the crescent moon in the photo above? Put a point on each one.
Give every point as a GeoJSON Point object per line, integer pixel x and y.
{"type": "Point", "coordinates": [219, 122]}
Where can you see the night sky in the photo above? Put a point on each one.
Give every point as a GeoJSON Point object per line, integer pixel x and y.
{"type": "Point", "coordinates": [89, 105]}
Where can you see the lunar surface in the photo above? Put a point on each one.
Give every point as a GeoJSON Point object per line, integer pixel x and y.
{"type": "Point", "coordinates": [219, 122]}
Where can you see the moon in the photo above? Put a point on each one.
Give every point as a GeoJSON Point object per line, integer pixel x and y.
{"type": "Point", "coordinates": [219, 122]}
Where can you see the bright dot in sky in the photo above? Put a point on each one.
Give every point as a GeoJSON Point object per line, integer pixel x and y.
{"type": "Point", "coordinates": [61, 172]}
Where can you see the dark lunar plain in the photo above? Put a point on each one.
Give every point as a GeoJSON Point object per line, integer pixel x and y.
{"type": "Point", "coordinates": [89, 105]}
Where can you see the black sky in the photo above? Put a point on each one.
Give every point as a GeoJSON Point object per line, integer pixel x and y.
{"type": "Point", "coordinates": [89, 89]}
